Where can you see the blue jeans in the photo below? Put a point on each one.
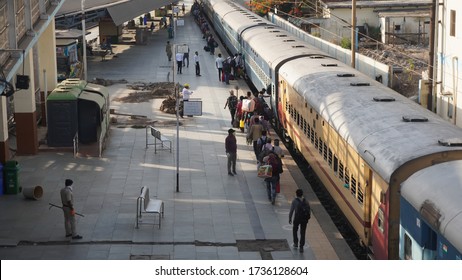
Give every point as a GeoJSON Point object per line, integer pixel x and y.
{"type": "Point", "coordinates": [271, 187]}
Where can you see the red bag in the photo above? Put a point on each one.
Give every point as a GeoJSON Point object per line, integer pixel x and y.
{"type": "Point", "coordinates": [278, 187]}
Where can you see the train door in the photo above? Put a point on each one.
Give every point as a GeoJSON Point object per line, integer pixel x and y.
{"type": "Point", "coordinates": [281, 101]}
{"type": "Point", "coordinates": [366, 196]}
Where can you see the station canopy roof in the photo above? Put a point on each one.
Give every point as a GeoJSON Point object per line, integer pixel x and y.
{"type": "Point", "coordinates": [120, 11]}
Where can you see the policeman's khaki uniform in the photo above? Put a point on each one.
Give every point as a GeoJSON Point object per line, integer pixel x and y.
{"type": "Point", "coordinates": [69, 219]}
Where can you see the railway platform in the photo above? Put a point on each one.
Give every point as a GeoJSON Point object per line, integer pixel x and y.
{"type": "Point", "coordinates": [212, 216]}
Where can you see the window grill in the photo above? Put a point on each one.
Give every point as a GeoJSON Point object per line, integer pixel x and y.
{"type": "Point", "coordinates": [353, 186]}
{"type": "Point", "coordinates": [360, 195]}
{"type": "Point", "coordinates": [325, 151]}
{"type": "Point", "coordinates": [340, 170]}
{"type": "Point", "coordinates": [320, 146]}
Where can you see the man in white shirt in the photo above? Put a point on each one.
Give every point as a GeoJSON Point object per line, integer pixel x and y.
{"type": "Point", "coordinates": [186, 95]}
{"type": "Point", "coordinates": [179, 62]}
{"type": "Point", "coordinates": [219, 64]}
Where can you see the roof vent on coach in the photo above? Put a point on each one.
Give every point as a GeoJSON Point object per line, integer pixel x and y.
{"type": "Point", "coordinates": [269, 27]}
{"type": "Point", "coordinates": [383, 99]}
{"type": "Point", "coordinates": [316, 56]}
{"type": "Point", "coordinates": [289, 40]}
{"type": "Point", "coordinates": [415, 119]}
{"type": "Point", "coordinates": [329, 64]}
{"type": "Point", "coordinates": [452, 142]}
{"type": "Point", "coordinates": [360, 84]}
{"type": "Point", "coordinates": [275, 31]}
{"type": "Point", "coordinates": [345, 75]}
{"type": "Point", "coordinates": [298, 46]}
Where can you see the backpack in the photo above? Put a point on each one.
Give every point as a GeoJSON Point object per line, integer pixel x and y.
{"type": "Point", "coordinates": [264, 153]}
{"type": "Point", "coordinates": [279, 160]}
{"type": "Point", "coordinates": [232, 102]}
{"type": "Point", "coordinates": [261, 144]}
{"type": "Point", "coordinates": [303, 211]}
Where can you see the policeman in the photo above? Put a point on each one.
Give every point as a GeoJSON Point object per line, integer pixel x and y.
{"type": "Point", "coordinates": [67, 198]}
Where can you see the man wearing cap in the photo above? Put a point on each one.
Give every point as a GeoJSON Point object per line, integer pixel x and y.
{"type": "Point", "coordinates": [186, 92]}
{"type": "Point", "coordinates": [67, 198]}
{"type": "Point", "coordinates": [231, 151]}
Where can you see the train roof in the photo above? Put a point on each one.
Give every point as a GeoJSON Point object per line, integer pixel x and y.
{"type": "Point", "coordinates": [236, 16]}
{"type": "Point", "coordinates": [438, 196]}
{"type": "Point", "coordinates": [377, 130]}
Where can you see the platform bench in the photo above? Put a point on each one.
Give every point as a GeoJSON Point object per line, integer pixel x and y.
{"type": "Point", "coordinates": [147, 205]}
{"type": "Point", "coordinates": [158, 137]}
{"type": "Point", "coordinates": [101, 52]}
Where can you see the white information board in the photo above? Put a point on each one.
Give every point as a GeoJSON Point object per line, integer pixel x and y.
{"type": "Point", "coordinates": [182, 48]}
{"type": "Point", "coordinates": [193, 107]}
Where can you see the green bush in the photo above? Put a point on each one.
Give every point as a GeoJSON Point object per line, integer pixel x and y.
{"type": "Point", "coordinates": [345, 43]}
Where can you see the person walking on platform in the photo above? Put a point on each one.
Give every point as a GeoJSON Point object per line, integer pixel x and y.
{"type": "Point", "coordinates": [179, 62]}
{"type": "Point", "coordinates": [302, 211]}
{"type": "Point", "coordinates": [168, 50]}
{"type": "Point", "coordinates": [186, 57]}
{"type": "Point", "coordinates": [219, 64]}
{"type": "Point", "coordinates": [67, 199]}
{"type": "Point", "coordinates": [254, 133]}
{"type": "Point", "coordinates": [272, 181]}
{"type": "Point", "coordinates": [231, 102]}
{"type": "Point", "coordinates": [186, 92]}
{"type": "Point", "coordinates": [196, 61]}
{"type": "Point", "coordinates": [231, 151]}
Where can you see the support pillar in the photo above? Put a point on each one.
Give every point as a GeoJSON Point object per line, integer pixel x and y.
{"type": "Point", "coordinates": [25, 114]}
{"type": "Point", "coordinates": [4, 147]}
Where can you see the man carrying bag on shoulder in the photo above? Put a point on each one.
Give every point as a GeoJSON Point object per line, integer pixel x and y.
{"type": "Point", "coordinates": [302, 210]}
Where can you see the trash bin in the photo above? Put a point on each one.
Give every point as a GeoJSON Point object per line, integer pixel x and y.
{"type": "Point", "coordinates": [11, 170]}
{"type": "Point", "coordinates": [34, 193]}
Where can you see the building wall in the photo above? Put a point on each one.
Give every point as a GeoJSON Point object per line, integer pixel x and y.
{"type": "Point", "coordinates": [449, 62]}
{"type": "Point", "coordinates": [337, 29]}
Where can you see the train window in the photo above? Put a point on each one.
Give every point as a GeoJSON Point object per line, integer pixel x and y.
{"type": "Point", "coordinates": [308, 130]}
{"type": "Point", "coordinates": [325, 151]}
{"type": "Point", "coordinates": [314, 124]}
{"type": "Point", "coordinates": [347, 176]}
{"type": "Point", "coordinates": [340, 170]}
{"type": "Point", "coordinates": [322, 123]}
{"type": "Point", "coordinates": [306, 104]}
{"type": "Point", "coordinates": [311, 110]}
{"type": "Point", "coordinates": [360, 194]}
{"type": "Point", "coordinates": [320, 146]}
{"type": "Point", "coordinates": [317, 116]}
{"type": "Point", "coordinates": [330, 158]}
{"type": "Point", "coordinates": [335, 163]}
{"type": "Point", "coordinates": [304, 125]}
{"type": "Point", "coordinates": [312, 135]}
{"type": "Point", "coordinates": [316, 141]}
{"type": "Point", "coordinates": [353, 185]}
{"type": "Point", "coordinates": [298, 119]}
